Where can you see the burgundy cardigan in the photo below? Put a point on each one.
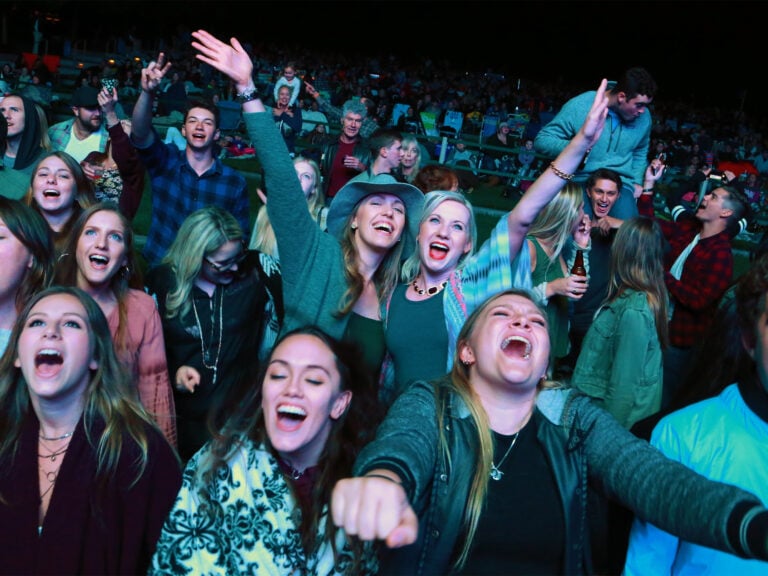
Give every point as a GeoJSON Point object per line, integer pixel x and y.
{"type": "Point", "coordinates": [92, 526]}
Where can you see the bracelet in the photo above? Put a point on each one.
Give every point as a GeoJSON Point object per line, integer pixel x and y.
{"type": "Point", "coordinates": [247, 95]}
{"type": "Point", "coordinates": [374, 475]}
{"type": "Point", "coordinates": [645, 190]}
{"type": "Point", "coordinates": [559, 173]}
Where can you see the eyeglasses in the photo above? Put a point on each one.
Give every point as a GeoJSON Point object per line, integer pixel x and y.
{"type": "Point", "coordinates": [227, 264]}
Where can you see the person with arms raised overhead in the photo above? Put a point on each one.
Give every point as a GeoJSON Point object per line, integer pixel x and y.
{"type": "Point", "coordinates": [623, 146]}
{"type": "Point", "coordinates": [183, 181]}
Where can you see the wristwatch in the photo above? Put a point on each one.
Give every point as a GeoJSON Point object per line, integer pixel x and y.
{"type": "Point", "coordinates": [247, 95]}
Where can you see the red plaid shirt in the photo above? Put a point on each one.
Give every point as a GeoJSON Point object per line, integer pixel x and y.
{"type": "Point", "coordinates": [707, 273]}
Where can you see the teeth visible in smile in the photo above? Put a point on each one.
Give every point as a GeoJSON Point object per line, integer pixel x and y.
{"type": "Point", "coordinates": [438, 246]}
{"type": "Point", "coordinates": [385, 227]}
{"type": "Point", "coordinates": [292, 411]}
{"type": "Point", "coordinates": [99, 259]}
{"type": "Point", "coordinates": [51, 193]}
{"type": "Point", "coordinates": [511, 339]}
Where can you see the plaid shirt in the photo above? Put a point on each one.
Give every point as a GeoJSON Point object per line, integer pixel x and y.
{"type": "Point", "coordinates": [61, 133]}
{"type": "Point", "coordinates": [177, 191]}
{"type": "Point", "coordinates": [707, 273]}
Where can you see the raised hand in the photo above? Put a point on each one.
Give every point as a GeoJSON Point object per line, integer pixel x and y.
{"type": "Point", "coordinates": [230, 59]}
{"type": "Point", "coordinates": [153, 74]}
{"type": "Point", "coordinates": [595, 120]}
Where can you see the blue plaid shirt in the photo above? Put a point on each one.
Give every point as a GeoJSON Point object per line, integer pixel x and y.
{"type": "Point", "coordinates": [177, 191]}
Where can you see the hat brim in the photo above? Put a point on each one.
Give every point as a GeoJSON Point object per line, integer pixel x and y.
{"type": "Point", "coordinates": [352, 193]}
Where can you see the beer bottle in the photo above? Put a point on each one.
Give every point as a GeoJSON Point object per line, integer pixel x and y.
{"type": "Point", "coordinates": [578, 268]}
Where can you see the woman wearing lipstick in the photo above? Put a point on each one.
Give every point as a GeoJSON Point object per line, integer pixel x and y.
{"type": "Point", "coordinates": [486, 470]}
{"type": "Point", "coordinates": [60, 191]}
{"type": "Point", "coordinates": [336, 280]}
{"type": "Point", "coordinates": [255, 498]}
{"type": "Point", "coordinates": [86, 478]}
{"type": "Point", "coordinates": [99, 258]}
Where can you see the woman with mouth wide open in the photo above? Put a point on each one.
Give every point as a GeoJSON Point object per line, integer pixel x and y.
{"type": "Point", "coordinates": [486, 470]}
{"type": "Point", "coordinates": [60, 191]}
{"type": "Point", "coordinates": [255, 498]}
{"type": "Point", "coordinates": [99, 258]}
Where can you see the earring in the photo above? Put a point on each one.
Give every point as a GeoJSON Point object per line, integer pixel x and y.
{"type": "Point", "coordinates": [354, 226]}
{"type": "Point", "coordinates": [467, 362]}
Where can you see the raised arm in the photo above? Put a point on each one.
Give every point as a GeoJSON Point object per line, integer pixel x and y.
{"type": "Point", "coordinates": [151, 76]}
{"type": "Point", "coordinates": [232, 60]}
{"type": "Point", "coordinates": [558, 173]}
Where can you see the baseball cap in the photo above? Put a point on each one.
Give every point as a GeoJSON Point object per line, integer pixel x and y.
{"type": "Point", "coordinates": [85, 96]}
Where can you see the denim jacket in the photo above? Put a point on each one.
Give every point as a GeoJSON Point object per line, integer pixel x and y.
{"type": "Point", "coordinates": [620, 363]}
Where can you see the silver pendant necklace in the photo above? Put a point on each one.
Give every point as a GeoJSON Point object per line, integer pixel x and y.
{"type": "Point", "coordinates": [496, 474]}
{"type": "Point", "coordinates": [215, 366]}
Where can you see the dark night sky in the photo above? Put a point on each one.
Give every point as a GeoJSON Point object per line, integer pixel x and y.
{"type": "Point", "coordinates": [703, 52]}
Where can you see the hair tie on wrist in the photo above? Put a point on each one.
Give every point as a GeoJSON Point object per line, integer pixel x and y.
{"type": "Point", "coordinates": [374, 475]}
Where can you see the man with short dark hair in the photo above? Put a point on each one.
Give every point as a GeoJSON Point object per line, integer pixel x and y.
{"type": "Point", "coordinates": [85, 132]}
{"type": "Point", "coordinates": [624, 143]}
{"type": "Point", "coordinates": [386, 148]}
{"type": "Point", "coordinates": [699, 267]}
{"type": "Point", "coordinates": [183, 180]}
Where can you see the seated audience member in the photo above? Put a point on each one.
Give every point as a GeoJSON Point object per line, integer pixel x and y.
{"type": "Point", "coordinates": [84, 132]}
{"type": "Point", "coordinates": [86, 478]}
{"type": "Point", "coordinates": [722, 438]}
{"type": "Point", "coordinates": [436, 177]}
{"type": "Point", "coordinates": [275, 460]}
{"type": "Point", "coordinates": [99, 258]}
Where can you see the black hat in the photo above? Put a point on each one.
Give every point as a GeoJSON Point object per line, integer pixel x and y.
{"type": "Point", "coordinates": [85, 96]}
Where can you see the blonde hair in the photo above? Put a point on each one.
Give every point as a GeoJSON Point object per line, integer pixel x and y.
{"type": "Point", "coordinates": [263, 235]}
{"type": "Point", "coordinates": [459, 383]}
{"type": "Point", "coordinates": [202, 232]}
{"type": "Point", "coordinates": [407, 141]}
{"type": "Point", "coordinates": [555, 222]}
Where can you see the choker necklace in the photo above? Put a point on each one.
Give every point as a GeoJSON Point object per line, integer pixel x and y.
{"type": "Point", "coordinates": [431, 290]}
{"type": "Point", "coordinates": [496, 474]}
{"type": "Point", "coordinates": [54, 438]}
{"type": "Point", "coordinates": [206, 355]}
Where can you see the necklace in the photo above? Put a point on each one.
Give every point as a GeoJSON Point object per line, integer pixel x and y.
{"type": "Point", "coordinates": [432, 290]}
{"type": "Point", "coordinates": [496, 474]}
{"type": "Point", "coordinates": [206, 355]}
{"type": "Point", "coordinates": [54, 438]}
{"type": "Point", "coordinates": [53, 453]}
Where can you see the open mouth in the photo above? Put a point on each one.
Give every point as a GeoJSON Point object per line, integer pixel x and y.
{"type": "Point", "coordinates": [290, 417]}
{"type": "Point", "coordinates": [383, 227]}
{"type": "Point", "coordinates": [517, 346]}
{"type": "Point", "coordinates": [48, 362]}
{"type": "Point", "coordinates": [50, 193]}
{"type": "Point", "coordinates": [98, 260]}
{"type": "Point", "coordinates": [438, 251]}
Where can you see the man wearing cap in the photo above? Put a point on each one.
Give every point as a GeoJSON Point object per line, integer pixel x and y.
{"type": "Point", "coordinates": [85, 132]}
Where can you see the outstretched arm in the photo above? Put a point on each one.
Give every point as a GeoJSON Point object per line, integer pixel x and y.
{"type": "Point", "coordinates": [230, 59]}
{"type": "Point", "coordinates": [554, 178]}
{"type": "Point", "coordinates": [151, 76]}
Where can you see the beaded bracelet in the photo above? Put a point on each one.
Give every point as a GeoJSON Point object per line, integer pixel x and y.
{"type": "Point", "coordinates": [559, 173]}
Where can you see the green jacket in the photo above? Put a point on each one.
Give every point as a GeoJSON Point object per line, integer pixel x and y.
{"type": "Point", "coordinates": [620, 363]}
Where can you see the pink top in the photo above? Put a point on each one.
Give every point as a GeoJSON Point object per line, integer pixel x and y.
{"type": "Point", "coordinates": [144, 355]}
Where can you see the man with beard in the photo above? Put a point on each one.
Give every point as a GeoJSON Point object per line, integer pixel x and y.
{"type": "Point", "coordinates": [85, 132]}
{"type": "Point", "coordinates": [623, 145]}
{"type": "Point", "coordinates": [183, 180]}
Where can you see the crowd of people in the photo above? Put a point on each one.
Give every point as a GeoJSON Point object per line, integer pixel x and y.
{"type": "Point", "coordinates": [354, 382]}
